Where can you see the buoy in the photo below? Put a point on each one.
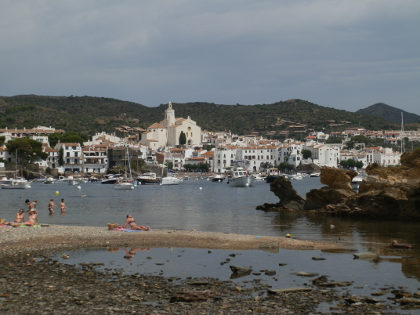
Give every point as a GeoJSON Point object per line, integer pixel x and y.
{"type": "Point", "coordinates": [57, 192]}
{"type": "Point", "coordinates": [288, 235]}
{"type": "Point", "coordinates": [201, 188]}
{"type": "Point", "coordinates": [79, 187]}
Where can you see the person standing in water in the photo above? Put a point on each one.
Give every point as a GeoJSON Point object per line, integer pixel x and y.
{"type": "Point", "coordinates": [51, 206]}
{"type": "Point", "coordinates": [62, 206]}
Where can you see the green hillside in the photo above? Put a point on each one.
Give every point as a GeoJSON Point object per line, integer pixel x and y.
{"type": "Point", "coordinates": [92, 114]}
{"type": "Point", "coordinates": [389, 113]}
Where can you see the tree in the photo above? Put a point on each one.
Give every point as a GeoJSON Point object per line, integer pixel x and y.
{"type": "Point", "coordinates": [61, 157]}
{"type": "Point", "coordinates": [170, 165]}
{"type": "Point", "coordinates": [2, 140]}
{"type": "Point", "coordinates": [26, 150]}
{"type": "Point", "coordinates": [182, 138]}
{"type": "Point", "coordinates": [350, 163]}
{"type": "Point", "coordinates": [306, 154]}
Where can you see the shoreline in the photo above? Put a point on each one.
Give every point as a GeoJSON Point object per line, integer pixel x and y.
{"type": "Point", "coordinates": [54, 237]}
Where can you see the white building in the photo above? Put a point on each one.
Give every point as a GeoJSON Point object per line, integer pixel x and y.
{"type": "Point", "coordinates": [95, 159]}
{"type": "Point", "coordinates": [168, 131]}
{"type": "Point", "coordinates": [72, 157]}
{"type": "Point", "coordinates": [224, 159]}
{"type": "Point", "coordinates": [325, 154]}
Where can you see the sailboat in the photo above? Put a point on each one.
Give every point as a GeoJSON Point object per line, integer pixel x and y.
{"type": "Point", "coordinates": [126, 183]}
{"type": "Point", "coordinates": [16, 182]}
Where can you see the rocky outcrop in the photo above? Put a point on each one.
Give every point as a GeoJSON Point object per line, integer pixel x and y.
{"type": "Point", "coordinates": [337, 178]}
{"type": "Point", "coordinates": [392, 192]}
{"type": "Point", "coordinates": [337, 191]}
{"type": "Point", "coordinates": [319, 198]}
{"type": "Point", "coordinates": [289, 198]}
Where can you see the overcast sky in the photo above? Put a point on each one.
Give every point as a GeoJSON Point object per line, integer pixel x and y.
{"type": "Point", "coordinates": [336, 53]}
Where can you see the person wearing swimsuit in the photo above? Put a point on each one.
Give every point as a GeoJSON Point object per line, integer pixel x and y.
{"type": "Point", "coordinates": [20, 216]}
{"type": "Point", "coordinates": [130, 222]}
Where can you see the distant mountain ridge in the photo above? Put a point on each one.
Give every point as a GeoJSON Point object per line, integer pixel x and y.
{"type": "Point", "coordinates": [389, 113]}
{"type": "Point", "coordinates": [85, 114]}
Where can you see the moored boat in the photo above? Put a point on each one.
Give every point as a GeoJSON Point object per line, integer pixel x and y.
{"type": "Point", "coordinates": [17, 183]}
{"type": "Point", "coordinates": [240, 178]}
{"type": "Point", "coordinates": [148, 178]}
{"type": "Point", "coordinates": [217, 178]}
{"type": "Point", "coordinates": [170, 180]}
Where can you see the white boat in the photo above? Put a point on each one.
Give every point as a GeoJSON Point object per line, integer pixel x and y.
{"type": "Point", "coordinates": [125, 185]}
{"type": "Point", "coordinates": [126, 182]}
{"type": "Point", "coordinates": [110, 179]}
{"type": "Point", "coordinates": [258, 177]}
{"type": "Point", "coordinates": [170, 180]}
{"type": "Point", "coordinates": [240, 178]}
{"type": "Point", "coordinates": [17, 183]}
{"type": "Point", "coordinates": [49, 180]}
{"type": "Point", "coordinates": [316, 174]}
{"type": "Point", "coordinates": [217, 178]}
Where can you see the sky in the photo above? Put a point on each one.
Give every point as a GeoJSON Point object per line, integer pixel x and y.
{"type": "Point", "coordinates": [341, 54]}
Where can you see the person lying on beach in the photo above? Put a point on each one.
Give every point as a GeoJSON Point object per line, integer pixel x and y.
{"type": "Point", "coordinates": [20, 216]}
{"type": "Point", "coordinates": [32, 219]}
{"type": "Point", "coordinates": [130, 222]}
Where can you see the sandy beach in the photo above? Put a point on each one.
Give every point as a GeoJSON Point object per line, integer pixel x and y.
{"type": "Point", "coordinates": [66, 237]}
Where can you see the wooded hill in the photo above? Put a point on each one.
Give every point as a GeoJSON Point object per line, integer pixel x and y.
{"type": "Point", "coordinates": [92, 114]}
{"type": "Point", "coordinates": [389, 113]}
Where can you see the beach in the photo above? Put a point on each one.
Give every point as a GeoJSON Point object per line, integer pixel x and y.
{"type": "Point", "coordinates": [33, 281]}
{"type": "Point", "coordinates": [54, 237]}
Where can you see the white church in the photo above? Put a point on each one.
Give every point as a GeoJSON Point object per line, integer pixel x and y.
{"type": "Point", "coordinates": [167, 132]}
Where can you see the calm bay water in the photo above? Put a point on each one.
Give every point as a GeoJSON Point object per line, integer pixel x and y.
{"type": "Point", "coordinates": [208, 206]}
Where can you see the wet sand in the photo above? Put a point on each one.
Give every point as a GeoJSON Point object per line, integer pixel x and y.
{"type": "Point", "coordinates": [66, 237]}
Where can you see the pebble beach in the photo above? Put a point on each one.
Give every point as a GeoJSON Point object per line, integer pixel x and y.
{"type": "Point", "coordinates": [33, 282]}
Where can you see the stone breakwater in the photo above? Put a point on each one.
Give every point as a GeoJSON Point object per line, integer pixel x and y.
{"type": "Point", "coordinates": [33, 282]}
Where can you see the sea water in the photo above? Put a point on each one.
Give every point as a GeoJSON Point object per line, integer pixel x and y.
{"type": "Point", "coordinates": [207, 206]}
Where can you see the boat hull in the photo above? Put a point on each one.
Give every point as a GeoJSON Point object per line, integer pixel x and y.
{"type": "Point", "coordinates": [170, 181]}
{"type": "Point", "coordinates": [243, 181]}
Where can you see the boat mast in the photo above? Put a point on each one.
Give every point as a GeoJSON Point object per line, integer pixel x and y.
{"type": "Point", "coordinates": [402, 133]}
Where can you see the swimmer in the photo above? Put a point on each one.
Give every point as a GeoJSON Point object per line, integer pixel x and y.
{"type": "Point", "coordinates": [62, 206]}
{"type": "Point", "coordinates": [51, 206]}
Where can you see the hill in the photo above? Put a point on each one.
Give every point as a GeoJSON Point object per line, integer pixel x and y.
{"type": "Point", "coordinates": [389, 113]}
{"type": "Point", "coordinates": [92, 114]}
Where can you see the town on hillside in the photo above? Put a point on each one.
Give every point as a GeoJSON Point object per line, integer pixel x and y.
{"type": "Point", "coordinates": [180, 144]}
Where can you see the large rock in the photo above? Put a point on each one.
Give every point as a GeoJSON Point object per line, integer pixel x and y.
{"type": "Point", "coordinates": [288, 196]}
{"type": "Point", "coordinates": [319, 198]}
{"type": "Point", "coordinates": [337, 178]}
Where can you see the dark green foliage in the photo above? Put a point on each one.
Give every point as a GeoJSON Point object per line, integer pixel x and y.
{"type": "Point", "coordinates": [170, 165]}
{"type": "Point", "coordinates": [203, 167]}
{"type": "Point", "coordinates": [334, 140]}
{"type": "Point", "coordinates": [61, 157]}
{"type": "Point", "coordinates": [67, 137]}
{"type": "Point", "coordinates": [306, 154]}
{"type": "Point", "coordinates": [284, 166]}
{"type": "Point", "coordinates": [93, 114]}
{"type": "Point", "coordinates": [2, 140]}
{"type": "Point", "coordinates": [351, 163]}
{"type": "Point", "coordinates": [389, 113]}
{"type": "Point", "coordinates": [182, 138]}
{"type": "Point", "coordinates": [27, 150]}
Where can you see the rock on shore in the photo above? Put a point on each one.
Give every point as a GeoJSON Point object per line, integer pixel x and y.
{"type": "Point", "coordinates": [390, 193]}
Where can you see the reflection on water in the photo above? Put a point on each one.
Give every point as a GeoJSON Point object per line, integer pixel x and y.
{"type": "Point", "coordinates": [277, 269]}
{"type": "Point", "coordinates": [215, 207]}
